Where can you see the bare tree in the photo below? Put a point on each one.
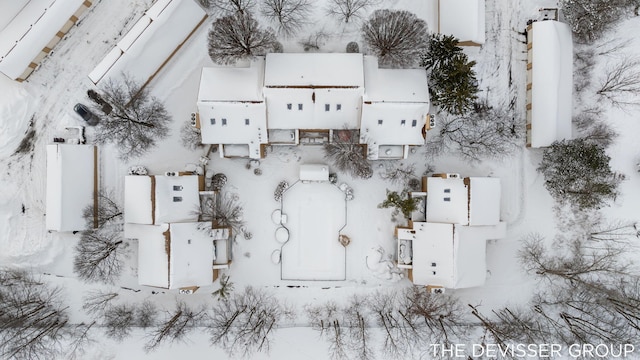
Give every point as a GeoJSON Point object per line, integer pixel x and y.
{"type": "Point", "coordinates": [398, 174]}
{"type": "Point", "coordinates": [347, 154]}
{"type": "Point", "coordinates": [146, 314]}
{"type": "Point", "coordinates": [402, 333]}
{"type": "Point", "coordinates": [328, 319]}
{"type": "Point", "coordinates": [348, 10]}
{"type": "Point", "coordinates": [137, 120]}
{"type": "Point", "coordinates": [97, 301]}
{"type": "Point", "coordinates": [356, 314]}
{"type": "Point", "coordinates": [108, 211]}
{"type": "Point", "coordinates": [621, 85]}
{"type": "Point", "coordinates": [223, 210]}
{"type": "Point", "coordinates": [314, 41]}
{"type": "Point", "coordinates": [118, 321]}
{"type": "Point", "coordinates": [99, 256]}
{"type": "Point", "coordinates": [441, 315]}
{"type": "Point", "coordinates": [396, 37]}
{"type": "Point", "coordinates": [176, 326]}
{"type": "Point", "coordinates": [190, 136]}
{"type": "Point", "coordinates": [33, 322]}
{"type": "Point", "coordinates": [583, 260]}
{"type": "Point", "coordinates": [226, 288]}
{"type": "Point", "coordinates": [228, 7]}
{"type": "Point", "coordinates": [76, 349]}
{"type": "Point", "coordinates": [238, 36]}
{"type": "Point", "coordinates": [243, 324]}
{"type": "Point", "coordinates": [289, 16]}
{"type": "Point", "coordinates": [593, 128]}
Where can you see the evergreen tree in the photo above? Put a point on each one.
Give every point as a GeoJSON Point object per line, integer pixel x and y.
{"type": "Point", "coordinates": [452, 82]}
{"type": "Point", "coordinates": [578, 172]}
{"type": "Point", "coordinates": [401, 202]}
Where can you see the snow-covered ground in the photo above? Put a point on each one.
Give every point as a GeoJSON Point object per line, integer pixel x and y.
{"type": "Point", "coordinates": [44, 104]}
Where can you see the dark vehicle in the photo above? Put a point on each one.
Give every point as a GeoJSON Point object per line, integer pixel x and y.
{"type": "Point", "coordinates": [86, 114]}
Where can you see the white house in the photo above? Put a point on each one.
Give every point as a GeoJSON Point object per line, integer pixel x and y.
{"type": "Point", "coordinates": [71, 185]}
{"type": "Point", "coordinates": [176, 255]}
{"type": "Point", "coordinates": [159, 199]}
{"type": "Point", "coordinates": [313, 91]}
{"type": "Point", "coordinates": [291, 99]}
{"type": "Point", "coordinates": [151, 42]}
{"type": "Point", "coordinates": [29, 30]}
{"type": "Point", "coordinates": [549, 82]}
{"type": "Point", "coordinates": [464, 19]}
{"type": "Point", "coordinates": [394, 111]}
{"type": "Point", "coordinates": [231, 109]}
{"type": "Point", "coordinates": [468, 201]}
{"type": "Point", "coordinates": [448, 249]}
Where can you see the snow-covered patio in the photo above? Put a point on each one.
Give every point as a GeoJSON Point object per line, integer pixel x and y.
{"type": "Point", "coordinates": [315, 212]}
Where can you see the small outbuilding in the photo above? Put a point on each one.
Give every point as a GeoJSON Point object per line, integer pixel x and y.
{"type": "Point", "coordinates": [464, 19]}
{"type": "Point", "coordinates": [549, 82]}
{"type": "Point", "coordinates": [72, 183]}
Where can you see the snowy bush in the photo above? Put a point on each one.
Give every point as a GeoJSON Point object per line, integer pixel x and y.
{"type": "Point", "coordinates": [218, 181]}
{"type": "Point", "coordinates": [353, 47]}
{"type": "Point", "coordinates": [137, 170]}
{"type": "Point", "coordinates": [396, 37]}
{"type": "Point", "coordinates": [314, 41]}
{"type": "Point", "coordinates": [280, 189]}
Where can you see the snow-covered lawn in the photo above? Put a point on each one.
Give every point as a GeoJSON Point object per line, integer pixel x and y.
{"type": "Point", "coordinates": [315, 214]}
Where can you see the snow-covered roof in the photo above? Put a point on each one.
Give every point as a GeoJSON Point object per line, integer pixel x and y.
{"type": "Point", "coordinates": [192, 255]}
{"type": "Point", "coordinates": [484, 201]}
{"type": "Point", "coordinates": [447, 201]}
{"type": "Point", "coordinates": [394, 85]}
{"type": "Point", "coordinates": [70, 185]}
{"type": "Point", "coordinates": [151, 41]}
{"type": "Point", "coordinates": [330, 69]}
{"type": "Point", "coordinates": [447, 255]}
{"type": "Point", "coordinates": [27, 27]}
{"type": "Point", "coordinates": [138, 200]}
{"type": "Point", "coordinates": [232, 83]}
{"type": "Point", "coordinates": [161, 199]}
{"type": "Point", "coordinates": [464, 19]}
{"type": "Point", "coordinates": [551, 82]}
{"type": "Point", "coordinates": [314, 172]}
{"type": "Point", "coordinates": [153, 260]}
{"type": "Point", "coordinates": [177, 198]}
{"type": "Point", "coordinates": [393, 123]}
{"type": "Point", "coordinates": [240, 123]}
{"type": "Point", "coordinates": [174, 255]}
{"type": "Point", "coordinates": [325, 108]}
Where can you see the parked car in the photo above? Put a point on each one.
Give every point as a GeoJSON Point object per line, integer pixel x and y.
{"type": "Point", "coordinates": [86, 114]}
